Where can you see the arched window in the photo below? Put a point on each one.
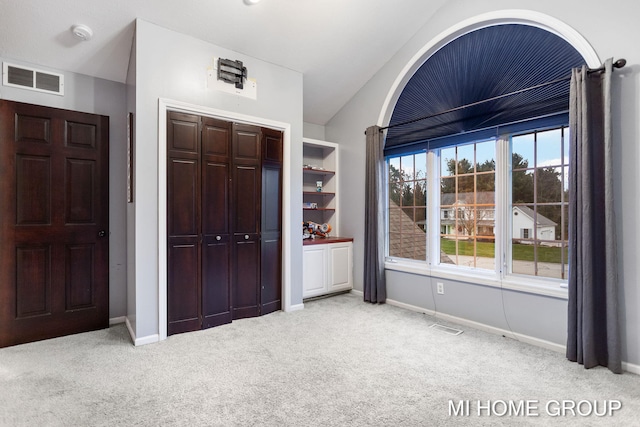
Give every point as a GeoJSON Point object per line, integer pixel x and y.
{"type": "Point", "coordinates": [494, 144]}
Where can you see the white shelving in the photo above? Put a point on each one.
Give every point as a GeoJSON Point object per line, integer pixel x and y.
{"type": "Point", "coordinates": [320, 164]}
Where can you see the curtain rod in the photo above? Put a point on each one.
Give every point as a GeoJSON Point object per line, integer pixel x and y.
{"type": "Point", "coordinates": [618, 64]}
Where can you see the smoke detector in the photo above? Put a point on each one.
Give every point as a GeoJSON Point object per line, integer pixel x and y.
{"type": "Point", "coordinates": [82, 32]}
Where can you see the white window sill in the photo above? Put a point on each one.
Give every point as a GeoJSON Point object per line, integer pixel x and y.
{"type": "Point", "coordinates": [536, 286]}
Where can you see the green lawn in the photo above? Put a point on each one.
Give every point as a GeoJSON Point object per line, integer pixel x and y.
{"type": "Point", "coordinates": [487, 249]}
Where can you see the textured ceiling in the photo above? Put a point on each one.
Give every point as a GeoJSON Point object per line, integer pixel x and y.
{"type": "Point", "coordinates": [337, 44]}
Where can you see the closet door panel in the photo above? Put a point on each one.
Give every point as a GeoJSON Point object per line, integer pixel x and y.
{"type": "Point", "coordinates": [183, 223]}
{"type": "Point", "coordinates": [183, 290]}
{"type": "Point", "coordinates": [271, 243]}
{"type": "Point", "coordinates": [216, 290]}
{"type": "Point", "coordinates": [246, 284]}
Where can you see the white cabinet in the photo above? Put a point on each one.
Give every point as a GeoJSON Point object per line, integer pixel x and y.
{"type": "Point", "coordinates": [327, 267]}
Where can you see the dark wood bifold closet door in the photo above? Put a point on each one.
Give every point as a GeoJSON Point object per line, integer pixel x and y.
{"type": "Point", "coordinates": [183, 228]}
{"type": "Point", "coordinates": [224, 221]}
{"type": "Point", "coordinates": [54, 214]}
{"type": "Point", "coordinates": [216, 224]}
{"type": "Point", "coordinates": [246, 199]}
{"type": "Point", "coordinates": [271, 222]}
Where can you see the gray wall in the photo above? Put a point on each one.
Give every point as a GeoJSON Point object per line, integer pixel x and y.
{"type": "Point", "coordinates": [172, 65]}
{"type": "Point", "coordinates": [612, 32]}
{"type": "Point", "coordinates": [104, 97]}
{"type": "Point", "coordinates": [313, 131]}
{"type": "Point", "coordinates": [131, 207]}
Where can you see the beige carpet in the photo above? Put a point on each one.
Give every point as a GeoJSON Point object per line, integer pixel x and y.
{"type": "Point", "coordinates": [339, 362]}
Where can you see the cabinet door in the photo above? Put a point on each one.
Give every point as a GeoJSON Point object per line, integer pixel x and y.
{"type": "Point", "coordinates": [314, 268]}
{"type": "Point", "coordinates": [340, 266]}
{"type": "Point", "coordinates": [245, 202]}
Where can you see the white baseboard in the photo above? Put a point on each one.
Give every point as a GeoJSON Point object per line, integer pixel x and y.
{"type": "Point", "coordinates": [631, 367]}
{"type": "Point", "coordinates": [559, 348]}
{"type": "Point", "coordinates": [357, 293]}
{"type": "Point", "coordinates": [296, 307]}
{"type": "Point", "coordinates": [149, 339]}
{"type": "Point", "coordinates": [117, 320]}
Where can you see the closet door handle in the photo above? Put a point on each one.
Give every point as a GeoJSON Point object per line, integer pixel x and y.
{"type": "Point", "coordinates": [218, 238]}
{"type": "Point", "coordinates": [246, 237]}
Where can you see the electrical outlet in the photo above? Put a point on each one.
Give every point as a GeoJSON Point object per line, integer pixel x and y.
{"type": "Point", "coordinates": [440, 288]}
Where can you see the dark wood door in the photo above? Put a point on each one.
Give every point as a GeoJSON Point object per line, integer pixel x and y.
{"type": "Point", "coordinates": [245, 201]}
{"type": "Point", "coordinates": [216, 223]}
{"type": "Point", "coordinates": [271, 222]}
{"type": "Point", "coordinates": [54, 214]}
{"type": "Point", "coordinates": [183, 229]}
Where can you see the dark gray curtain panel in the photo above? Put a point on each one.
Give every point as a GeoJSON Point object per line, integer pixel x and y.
{"type": "Point", "coordinates": [375, 289]}
{"type": "Point", "coordinates": [593, 329]}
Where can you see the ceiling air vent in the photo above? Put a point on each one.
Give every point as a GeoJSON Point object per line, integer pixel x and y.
{"type": "Point", "coordinates": [32, 79]}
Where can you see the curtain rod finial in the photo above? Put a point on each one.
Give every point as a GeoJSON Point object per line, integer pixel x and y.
{"type": "Point", "coordinates": [620, 63]}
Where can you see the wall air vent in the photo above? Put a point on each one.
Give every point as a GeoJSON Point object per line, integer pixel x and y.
{"type": "Point", "coordinates": [32, 79]}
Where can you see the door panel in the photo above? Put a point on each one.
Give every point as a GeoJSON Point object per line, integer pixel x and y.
{"type": "Point", "coordinates": [183, 291]}
{"type": "Point", "coordinates": [246, 284]}
{"type": "Point", "coordinates": [54, 276]}
{"type": "Point", "coordinates": [246, 199]}
{"type": "Point", "coordinates": [183, 223]}
{"type": "Point", "coordinates": [33, 284]}
{"type": "Point", "coordinates": [33, 188]}
{"type": "Point", "coordinates": [271, 241]}
{"type": "Point", "coordinates": [183, 200]}
{"type": "Point", "coordinates": [80, 189]}
{"type": "Point", "coordinates": [216, 290]}
{"type": "Point", "coordinates": [216, 223]}
{"type": "Point", "coordinates": [79, 276]}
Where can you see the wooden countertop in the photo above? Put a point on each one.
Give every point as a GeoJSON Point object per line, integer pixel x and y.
{"type": "Point", "coordinates": [326, 240]}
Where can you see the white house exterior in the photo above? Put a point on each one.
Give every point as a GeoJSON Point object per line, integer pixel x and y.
{"type": "Point", "coordinates": [523, 225]}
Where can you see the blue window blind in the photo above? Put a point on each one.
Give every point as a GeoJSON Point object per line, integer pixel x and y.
{"type": "Point", "coordinates": [477, 66]}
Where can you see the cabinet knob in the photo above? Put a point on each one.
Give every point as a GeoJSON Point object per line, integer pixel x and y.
{"type": "Point", "coordinates": [218, 238]}
{"type": "Point", "coordinates": [246, 237]}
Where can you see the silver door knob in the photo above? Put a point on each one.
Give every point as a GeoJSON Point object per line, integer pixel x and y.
{"type": "Point", "coordinates": [246, 237]}
{"type": "Point", "coordinates": [218, 238]}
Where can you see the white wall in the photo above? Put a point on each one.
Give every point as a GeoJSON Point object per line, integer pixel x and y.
{"type": "Point", "coordinates": [172, 65]}
{"type": "Point", "coordinates": [612, 32]}
{"type": "Point", "coordinates": [104, 97]}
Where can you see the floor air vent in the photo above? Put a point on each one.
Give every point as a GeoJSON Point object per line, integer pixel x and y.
{"type": "Point", "coordinates": [446, 329]}
{"type": "Point", "coordinates": [32, 79]}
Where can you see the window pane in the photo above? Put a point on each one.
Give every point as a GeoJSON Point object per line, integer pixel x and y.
{"type": "Point", "coordinates": [394, 169]}
{"type": "Point", "coordinates": [549, 147]}
{"type": "Point", "coordinates": [539, 212]}
{"type": "Point", "coordinates": [548, 185]}
{"type": "Point", "coordinates": [522, 151]}
{"type": "Point", "coordinates": [406, 164]}
{"type": "Point", "coordinates": [466, 159]}
{"type": "Point", "coordinates": [420, 193]}
{"type": "Point", "coordinates": [448, 161]}
{"type": "Point", "coordinates": [466, 186]}
{"type": "Point", "coordinates": [394, 194]}
{"type": "Point", "coordinates": [395, 220]}
{"type": "Point", "coordinates": [522, 186]}
{"type": "Point", "coordinates": [447, 191]}
{"type": "Point", "coordinates": [395, 245]}
{"type": "Point", "coordinates": [467, 212]}
{"type": "Point", "coordinates": [407, 206]}
{"type": "Point", "coordinates": [485, 156]}
{"type": "Point", "coordinates": [407, 194]}
{"type": "Point", "coordinates": [421, 165]}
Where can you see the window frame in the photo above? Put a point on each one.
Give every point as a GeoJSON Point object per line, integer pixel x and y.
{"type": "Point", "coordinates": [502, 276]}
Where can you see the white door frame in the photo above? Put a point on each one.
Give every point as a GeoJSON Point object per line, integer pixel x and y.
{"type": "Point", "coordinates": [165, 105]}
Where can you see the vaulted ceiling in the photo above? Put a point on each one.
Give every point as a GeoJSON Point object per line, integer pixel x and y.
{"type": "Point", "coordinates": [337, 44]}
